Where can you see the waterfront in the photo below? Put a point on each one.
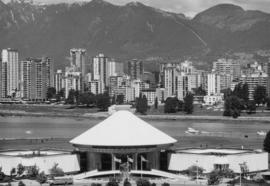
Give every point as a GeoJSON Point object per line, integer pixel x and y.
{"type": "Point", "coordinates": [58, 131]}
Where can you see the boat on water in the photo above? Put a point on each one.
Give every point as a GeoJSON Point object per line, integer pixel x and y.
{"type": "Point", "coordinates": [261, 133]}
{"type": "Point", "coordinates": [192, 131]}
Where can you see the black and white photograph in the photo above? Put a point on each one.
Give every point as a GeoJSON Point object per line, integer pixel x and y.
{"type": "Point", "coordinates": [135, 93]}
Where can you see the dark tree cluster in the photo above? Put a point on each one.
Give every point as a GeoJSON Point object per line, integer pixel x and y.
{"type": "Point", "coordinates": [238, 100]}
{"type": "Point", "coordinates": [188, 103]}
{"type": "Point", "coordinates": [260, 95]}
{"type": "Point", "coordinates": [101, 101]}
{"type": "Point", "coordinates": [173, 105]}
{"type": "Point", "coordinates": [141, 104]}
{"type": "Point", "coordinates": [266, 142]}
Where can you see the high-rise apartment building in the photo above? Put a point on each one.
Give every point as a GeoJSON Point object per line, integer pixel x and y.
{"type": "Point", "coordinates": [135, 69]}
{"type": "Point", "coordinates": [182, 86]}
{"type": "Point", "coordinates": [170, 81]}
{"type": "Point", "coordinates": [213, 84]}
{"type": "Point", "coordinates": [78, 59]}
{"type": "Point", "coordinates": [115, 68]}
{"type": "Point", "coordinates": [253, 80]}
{"type": "Point", "coordinates": [228, 66]}
{"type": "Point", "coordinates": [36, 78]}
{"type": "Point", "coordinates": [100, 70]}
{"type": "Point", "coordinates": [59, 82]}
{"type": "Point", "coordinates": [9, 72]}
{"type": "Point", "coordinates": [73, 80]}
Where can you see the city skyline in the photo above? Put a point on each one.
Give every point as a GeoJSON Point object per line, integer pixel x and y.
{"type": "Point", "coordinates": [188, 7]}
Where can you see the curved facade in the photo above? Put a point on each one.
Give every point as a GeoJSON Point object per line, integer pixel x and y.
{"type": "Point", "coordinates": [122, 138]}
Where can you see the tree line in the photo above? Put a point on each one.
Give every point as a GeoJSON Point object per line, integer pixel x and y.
{"type": "Point", "coordinates": [238, 100]}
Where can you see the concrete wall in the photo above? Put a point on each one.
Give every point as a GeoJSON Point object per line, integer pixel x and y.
{"type": "Point", "coordinates": [182, 161]}
{"type": "Point", "coordinates": [67, 162]}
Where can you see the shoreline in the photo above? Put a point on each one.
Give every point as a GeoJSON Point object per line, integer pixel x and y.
{"type": "Point", "coordinates": [102, 115]}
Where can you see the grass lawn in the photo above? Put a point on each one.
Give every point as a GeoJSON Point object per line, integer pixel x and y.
{"type": "Point", "coordinates": [206, 111]}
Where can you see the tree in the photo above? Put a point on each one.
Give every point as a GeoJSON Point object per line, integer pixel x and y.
{"type": "Point", "coordinates": [227, 93]}
{"type": "Point", "coordinates": [266, 142]}
{"type": "Point", "coordinates": [268, 103]}
{"type": "Point", "coordinates": [120, 99]}
{"type": "Point", "coordinates": [126, 182]}
{"type": "Point", "coordinates": [12, 172]}
{"type": "Point", "coordinates": [180, 105]}
{"type": "Point", "coordinates": [60, 94]}
{"type": "Point", "coordinates": [260, 94]}
{"type": "Point", "coordinates": [86, 98]}
{"type": "Point", "coordinates": [156, 103]}
{"type": "Point", "coordinates": [56, 171]}
{"type": "Point", "coordinates": [112, 182]}
{"type": "Point", "coordinates": [21, 183]}
{"type": "Point", "coordinates": [192, 171]}
{"type": "Point", "coordinates": [41, 178]}
{"type": "Point", "coordinates": [214, 178]}
{"type": "Point", "coordinates": [199, 91]}
{"type": "Point", "coordinates": [188, 103]}
{"type": "Point", "coordinates": [2, 175]}
{"type": "Point", "coordinates": [245, 92]}
{"type": "Point", "coordinates": [141, 104]}
{"type": "Point", "coordinates": [251, 107]}
{"type": "Point", "coordinates": [171, 105]}
{"type": "Point", "coordinates": [71, 97]}
{"type": "Point", "coordinates": [32, 171]}
{"type": "Point", "coordinates": [143, 182]}
{"type": "Point", "coordinates": [51, 93]}
{"type": "Point", "coordinates": [144, 104]}
{"type": "Point", "coordinates": [20, 169]}
{"type": "Point", "coordinates": [232, 106]}
{"type": "Point", "coordinates": [103, 101]}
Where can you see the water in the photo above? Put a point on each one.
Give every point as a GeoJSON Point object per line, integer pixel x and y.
{"type": "Point", "coordinates": [44, 127]}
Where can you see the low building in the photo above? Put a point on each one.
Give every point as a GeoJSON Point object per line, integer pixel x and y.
{"type": "Point", "coordinates": [210, 159]}
{"type": "Point", "coordinates": [43, 160]}
{"type": "Point", "coordinates": [213, 99]}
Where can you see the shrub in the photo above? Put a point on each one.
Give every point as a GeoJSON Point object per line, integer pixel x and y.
{"type": "Point", "coordinates": [165, 184]}
{"type": "Point", "coordinates": [6, 179]}
{"type": "Point", "coordinates": [112, 182]}
{"type": "Point", "coordinates": [20, 169]}
{"type": "Point", "coordinates": [33, 171]}
{"type": "Point", "coordinates": [143, 182]}
{"type": "Point", "coordinates": [213, 178]}
{"type": "Point", "coordinates": [127, 183]}
{"type": "Point", "coordinates": [96, 184]}
{"type": "Point", "coordinates": [21, 183]}
{"type": "Point", "coordinates": [41, 178]}
{"type": "Point", "coordinates": [56, 171]}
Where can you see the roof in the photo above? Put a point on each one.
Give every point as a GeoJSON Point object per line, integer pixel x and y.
{"type": "Point", "coordinates": [123, 129]}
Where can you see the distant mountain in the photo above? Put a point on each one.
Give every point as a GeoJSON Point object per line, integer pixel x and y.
{"type": "Point", "coordinates": [133, 30]}
{"type": "Point", "coordinates": [238, 29]}
{"type": "Point", "coordinates": [231, 17]}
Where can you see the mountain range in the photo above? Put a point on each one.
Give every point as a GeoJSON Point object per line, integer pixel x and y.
{"type": "Point", "coordinates": [130, 31]}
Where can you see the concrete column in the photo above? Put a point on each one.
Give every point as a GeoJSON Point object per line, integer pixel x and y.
{"type": "Point", "coordinates": [113, 162]}
{"type": "Point", "coordinates": [91, 161]}
{"type": "Point", "coordinates": [153, 159]}
{"type": "Point", "coordinates": [94, 161]}
{"type": "Point", "coordinates": [135, 159]}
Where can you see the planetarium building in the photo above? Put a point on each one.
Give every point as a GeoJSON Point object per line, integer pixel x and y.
{"type": "Point", "coordinates": [123, 138]}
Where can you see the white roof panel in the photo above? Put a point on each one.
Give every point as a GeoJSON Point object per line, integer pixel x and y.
{"type": "Point", "coordinates": [123, 129]}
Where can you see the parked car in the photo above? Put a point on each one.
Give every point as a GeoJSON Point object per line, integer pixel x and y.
{"type": "Point", "coordinates": [61, 180]}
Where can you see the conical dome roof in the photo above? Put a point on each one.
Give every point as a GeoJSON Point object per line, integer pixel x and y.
{"type": "Point", "coordinates": [123, 129]}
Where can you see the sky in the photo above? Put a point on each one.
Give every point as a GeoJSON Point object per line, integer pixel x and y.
{"type": "Point", "coordinates": [188, 7]}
